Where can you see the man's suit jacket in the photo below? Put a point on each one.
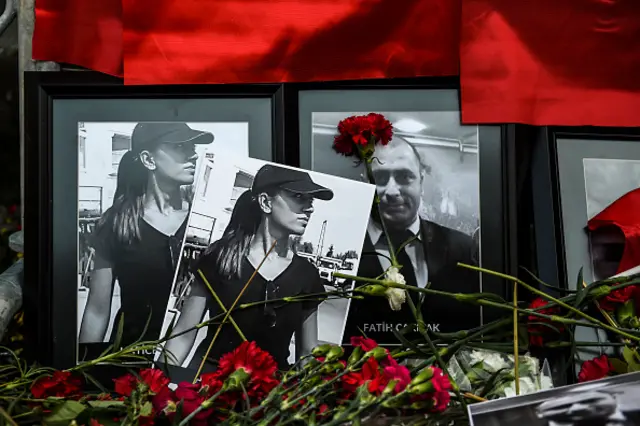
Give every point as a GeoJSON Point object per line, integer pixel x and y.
{"type": "Point", "coordinates": [443, 248]}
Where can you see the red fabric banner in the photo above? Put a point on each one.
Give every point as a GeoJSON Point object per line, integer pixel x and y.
{"type": "Point", "coordinates": [80, 32]}
{"type": "Point", "coordinates": [247, 41]}
{"type": "Point", "coordinates": [551, 62]}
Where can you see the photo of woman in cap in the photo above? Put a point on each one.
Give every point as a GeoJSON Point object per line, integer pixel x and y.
{"type": "Point", "coordinates": [278, 206]}
{"type": "Point", "coordinates": [138, 238]}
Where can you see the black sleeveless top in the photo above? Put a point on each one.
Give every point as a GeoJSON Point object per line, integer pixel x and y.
{"type": "Point", "coordinates": [271, 329]}
{"type": "Point", "coordinates": [144, 271]}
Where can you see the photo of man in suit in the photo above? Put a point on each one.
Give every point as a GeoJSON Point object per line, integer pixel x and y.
{"type": "Point", "coordinates": [431, 257]}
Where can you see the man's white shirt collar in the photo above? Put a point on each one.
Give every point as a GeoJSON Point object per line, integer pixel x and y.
{"type": "Point", "coordinates": [375, 231]}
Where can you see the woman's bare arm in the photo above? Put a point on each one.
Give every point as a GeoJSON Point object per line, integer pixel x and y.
{"type": "Point", "coordinates": [97, 311]}
{"type": "Point", "coordinates": [307, 336]}
{"type": "Point", "coordinates": [191, 315]}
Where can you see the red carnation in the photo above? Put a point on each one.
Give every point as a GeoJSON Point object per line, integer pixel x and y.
{"type": "Point", "coordinates": [190, 398]}
{"type": "Point", "coordinates": [440, 380]}
{"type": "Point", "coordinates": [361, 130]}
{"type": "Point", "coordinates": [440, 396]}
{"type": "Point", "coordinates": [401, 374]}
{"type": "Point", "coordinates": [126, 384]}
{"type": "Point", "coordinates": [248, 356]}
{"type": "Point", "coordinates": [618, 297]}
{"type": "Point", "coordinates": [440, 401]}
{"type": "Point", "coordinates": [365, 343]}
{"type": "Point", "coordinates": [595, 369]}
{"type": "Point", "coordinates": [368, 345]}
{"type": "Point", "coordinates": [538, 331]}
{"type": "Point", "coordinates": [154, 378]}
{"type": "Point", "coordinates": [258, 364]}
{"type": "Point", "coordinates": [60, 384]}
{"type": "Point", "coordinates": [165, 402]}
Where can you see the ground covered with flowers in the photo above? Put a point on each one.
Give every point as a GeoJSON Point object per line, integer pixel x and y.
{"type": "Point", "coordinates": [247, 388]}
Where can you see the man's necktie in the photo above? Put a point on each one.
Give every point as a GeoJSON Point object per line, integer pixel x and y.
{"type": "Point", "coordinates": [398, 239]}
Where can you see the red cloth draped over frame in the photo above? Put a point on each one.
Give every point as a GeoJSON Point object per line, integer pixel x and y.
{"type": "Point", "coordinates": [233, 41]}
{"type": "Point", "coordinates": [551, 62]}
{"type": "Point", "coordinates": [623, 214]}
{"type": "Point", "coordinates": [80, 32]}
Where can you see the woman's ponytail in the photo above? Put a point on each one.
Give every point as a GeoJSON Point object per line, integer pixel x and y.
{"type": "Point", "coordinates": [228, 252]}
{"type": "Point", "coordinates": [124, 215]}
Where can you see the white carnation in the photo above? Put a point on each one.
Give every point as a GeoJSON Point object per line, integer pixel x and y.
{"type": "Point", "coordinates": [393, 274]}
{"type": "Point", "coordinates": [395, 296]}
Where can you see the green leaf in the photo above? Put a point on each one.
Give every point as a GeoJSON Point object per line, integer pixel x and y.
{"type": "Point", "coordinates": [93, 381]}
{"type": "Point", "coordinates": [118, 339]}
{"type": "Point", "coordinates": [64, 413]}
{"type": "Point", "coordinates": [489, 385]}
{"type": "Point", "coordinates": [147, 409]}
{"type": "Point", "coordinates": [553, 287]}
{"type": "Point", "coordinates": [618, 366]}
{"type": "Point", "coordinates": [146, 327]}
{"type": "Point", "coordinates": [632, 358]}
{"type": "Point", "coordinates": [411, 345]}
{"type": "Point", "coordinates": [582, 290]}
{"type": "Point", "coordinates": [106, 404]}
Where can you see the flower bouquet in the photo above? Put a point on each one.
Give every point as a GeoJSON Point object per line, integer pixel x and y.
{"type": "Point", "coordinates": [490, 374]}
{"type": "Point", "coordinates": [429, 378]}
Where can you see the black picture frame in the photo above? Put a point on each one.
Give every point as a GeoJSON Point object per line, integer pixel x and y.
{"type": "Point", "coordinates": [498, 211]}
{"type": "Point", "coordinates": [49, 302]}
{"type": "Point", "coordinates": [548, 245]}
{"type": "Point", "coordinates": [548, 217]}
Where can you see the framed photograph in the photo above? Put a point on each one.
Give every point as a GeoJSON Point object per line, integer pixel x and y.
{"type": "Point", "coordinates": [581, 172]}
{"type": "Point", "coordinates": [120, 163]}
{"type": "Point", "coordinates": [243, 207]}
{"type": "Point", "coordinates": [609, 401]}
{"type": "Point", "coordinates": [445, 183]}
{"type": "Point", "coordinates": [578, 174]}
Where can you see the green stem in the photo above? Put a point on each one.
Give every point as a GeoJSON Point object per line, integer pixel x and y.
{"type": "Point", "coordinates": [224, 309]}
{"type": "Point", "coordinates": [376, 202]}
{"type": "Point", "coordinates": [436, 353]}
{"type": "Point", "coordinates": [454, 346]}
{"type": "Point", "coordinates": [465, 298]}
{"type": "Point", "coordinates": [205, 404]}
{"type": "Point", "coordinates": [555, 300]}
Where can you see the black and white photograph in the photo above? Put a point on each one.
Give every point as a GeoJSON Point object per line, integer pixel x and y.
{"type": "Point", "coordinates": [605, 402]}
{"type": "Point", "coordinates": [606, 181]}
{"type": "Point", "coordinates": [135, 190]}
{"type": "Point", "coordinates": [243, 207]}
{"type": "Point", "coordinates": [428, 182]}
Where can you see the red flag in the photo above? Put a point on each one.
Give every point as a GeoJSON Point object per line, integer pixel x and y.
{"type": "Point", "coordinates": [623, 214]}
{"type": "Point", "coordinates": [80, 32]}
{"type": "Point", "coordinates": [551, 62]}
{"type": "Point", "coordinates": [232, 41]}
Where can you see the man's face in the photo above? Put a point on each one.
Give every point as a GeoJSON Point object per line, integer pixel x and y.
{"type": "Point", "coordinates": [580, 408]}
{"type": "Point", "coordinates": [396, 171]}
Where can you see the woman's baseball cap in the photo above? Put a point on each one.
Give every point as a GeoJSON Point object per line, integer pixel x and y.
{"type": "Point", "coordinates": [147, 135]}
{"type": "Point", "coordinates": [293, 180]}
